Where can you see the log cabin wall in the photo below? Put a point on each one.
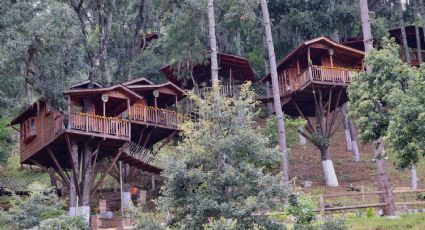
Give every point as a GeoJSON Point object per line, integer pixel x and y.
{"type": "Point", "coordinates": [38, 130]}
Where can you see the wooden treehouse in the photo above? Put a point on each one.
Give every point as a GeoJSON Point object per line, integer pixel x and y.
{"type": "Point", "coordinates": [411, 43]}
{"type": "Point", "coordinates": [319, 68]}
{"type": "Point", "coordinates": [233, 71]}
{"type": "Point", "coordinates": [396, 34]}
{"type": "Point", "coordinates": [313, 82]}
{"type": "Point", "coordinates": [100, 127]}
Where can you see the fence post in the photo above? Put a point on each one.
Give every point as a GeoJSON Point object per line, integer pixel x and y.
{"type": "Point", "coordinates": [322, 207]}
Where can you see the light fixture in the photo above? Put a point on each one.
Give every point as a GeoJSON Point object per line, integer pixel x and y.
{"type": "Point", "coordinates": [331, 51]}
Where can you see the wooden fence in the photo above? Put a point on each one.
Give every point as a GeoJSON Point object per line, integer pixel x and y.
{"type": "Point", "coordinates": [365, 202]}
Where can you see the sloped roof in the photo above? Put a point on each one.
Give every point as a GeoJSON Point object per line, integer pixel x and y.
{"type": "Point", "coordinates": [177, 89]}
{"type": "Point", "coordinates": [85, 84]}
{"type": "Point", "coordinates": [120, 87]}
{"type": "Point", "coordinates": [305, 44]}
{"type": "Point", "coordinates": [139, 81]}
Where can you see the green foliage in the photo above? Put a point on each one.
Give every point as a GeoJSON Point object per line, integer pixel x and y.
{"type": "Point", "coordinates": [148, 221]}
{"type": "Point", "coordinates": [220, 224]}
{"type": "Point", "coordinates": [370, 212]}
{"type": "Point", "coordinates": [6, 141]}
{"type": "Point", "coordinates": [302, 208]}
{"type": "Point", "coordinates": [41, 209]}
{"type": "Point", "coordinates": [369, 92]}
{"type": "Point", "coordinates": [218, 169]}
{"type": "Point", "coordinates": [406, 131]}
{"type": "Point", "coordinates": [291, 128]}
{"type": "Point", "coordinates": [338, 224]}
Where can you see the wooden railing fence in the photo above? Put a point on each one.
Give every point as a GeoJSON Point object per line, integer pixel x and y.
{"type": "Point", "coordinates": [156, 115]}
{"type": "Point", "coordinates": [100, 124]}
{"type": "Point", "coordinates": [325, 207]}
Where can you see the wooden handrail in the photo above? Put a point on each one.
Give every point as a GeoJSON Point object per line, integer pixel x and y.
{"type": "Point", "coordinates": [100, 124]}
{"type": "Point", "coordinates": [333, 74]}
{"type": "Point", "coordinates": [156, 115]}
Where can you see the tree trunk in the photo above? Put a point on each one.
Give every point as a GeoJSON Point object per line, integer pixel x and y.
{"type": "Point", "coordinates": [348, 124]}
{"type": "Point", "coordinates": [414, 177]}
{"type": "Point", "coordinates": [381, 165]}
{"type": "Point", "coordinates": [238, 43]}
{"type": "Point", "coordinates": [73, 195]}
{"type": "Point", "coordinates": [53, 181]}
{"type": "Point", "coordinates": [417, 32]}
{"type": "Point", "coordinates": [383, 180]}
{"type": "Point", "coordinates": [213, 45]}
{"type": "Point", "coordinates": [367, 32]}
{"type": "Point", "coordinates": [86, 185]}
{"type": "Point", "coordinates": [276, 93]}
{"type": "Point", "coordinates": [303, 140]}
{"type": "Point", "coordinates": [328, 168]}
{"type": "Point", "coordinates": [422, 10]}
{"type": "Point", "coordinates": [403, 31]}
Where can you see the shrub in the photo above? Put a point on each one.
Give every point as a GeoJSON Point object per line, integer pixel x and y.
{"type": "Point", "coordinates": [370, 212]}
{"type": "Point", "coordinates": [334, 225]}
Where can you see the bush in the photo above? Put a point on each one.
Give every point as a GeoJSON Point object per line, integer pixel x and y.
{"type": "Point", "coordinates": [334, 225]}
{"type": "Point", "coordinates": [370, 212]}
{"type": "Point", "coordinates": [42, 210]}
{"type": "Point", "coordinates": [302, 208]}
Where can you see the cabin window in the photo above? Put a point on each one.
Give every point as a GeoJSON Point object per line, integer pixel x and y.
{"type": "Point", "coordinates": [28, 129]}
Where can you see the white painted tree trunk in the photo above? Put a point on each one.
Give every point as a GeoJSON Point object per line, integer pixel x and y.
{"type": "Point", "coordinates": [414, 177]}
{"type": "Point", "coordinates": [275, 90]}
{"type": "Point", "coordinates": [330, 175]}
{"type": "Point", "coordinates": [84, 212]}
{"type": "Point", "coordinates": [303, 140]}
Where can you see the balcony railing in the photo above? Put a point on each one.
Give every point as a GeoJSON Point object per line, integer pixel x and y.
{"type": "Point", "coordinates": [228, 90]}
{"type": "Point", "coordinates": [156, 116]}
{"type": "Point", "coordinates": [333, 74]}
{"type": "Point", "coordinates": [100, 124]}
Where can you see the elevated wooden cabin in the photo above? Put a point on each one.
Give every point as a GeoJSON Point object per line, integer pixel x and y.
{"type": "Point", "coordinates": [233, 71]}
{"type": "Point", "coordinates": [105, 117]}
{"type": "Point", "coordinates": [411, 43]}
{"type": "Point", "coordinates": [316, 65]}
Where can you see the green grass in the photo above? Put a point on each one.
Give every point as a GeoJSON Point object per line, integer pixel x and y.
{"type": "Point", "coordinates": [406, 221]}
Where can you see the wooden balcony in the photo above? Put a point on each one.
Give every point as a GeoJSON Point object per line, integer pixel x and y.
{"type": "Point", "coordinates": [413, 57]}
{"type": "Point", "coordinates": [94, 124]}
{"type": "Point", "coordinates": [227, 90]}
{"type": "Point", "coordinates": [156, 116]}
{"type": "Point", "coordinates": [313, 74]}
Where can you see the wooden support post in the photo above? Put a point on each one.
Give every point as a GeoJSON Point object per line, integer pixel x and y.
{"type": "Point", "coordinates": [167, 140]}
{"type": "Point", "coordinates": [59, 168]}
{"type": "Point", "coordinates": [73, 161]}
{"type": "Point", "coordinates": [322, 207]}
{"type": "Point", "coordinates": [117, 156]}
{"type": "Point", "coordinates": [153, 182]}
{"type": "Point", "coordinates": [147, 138]}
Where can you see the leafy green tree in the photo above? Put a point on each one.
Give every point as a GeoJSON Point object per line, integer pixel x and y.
{"type": "Point", "coordinates": [220, 169]}
{"type": "Point", "coordinates": [369, 92]}
{"type": "Point", "coordinates": [6, 141]}
{"type": "Point", "coordinates": [406, 130]}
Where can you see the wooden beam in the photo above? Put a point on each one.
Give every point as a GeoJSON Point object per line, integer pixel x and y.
{"type": "Point", "coordinates": [167, 140]}
{"type": "Point", "coordinates": [329, 109]}
{"type": "Point", "coordinates": [141, 135]}
{"type": "Point", "coordinates": [147, 138]}
{"type": "Point", "coordinates": [71, 159]}
{"type": "Point", "coordinates": [335, 113]}
{"type": "Point", "coordinates": [120, 151]}
{"type": "Point", "coordinates": [310, 126]}
{"type": "Point", "coordinates": [58, 166]}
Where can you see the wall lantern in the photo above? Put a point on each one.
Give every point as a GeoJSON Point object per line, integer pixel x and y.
{"type": "Point", "coordinates": [155, 93]}
{"type": "Point", "coordinates": [105, 98]}
{"type": "Point", "coordinates": [331, 51]}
